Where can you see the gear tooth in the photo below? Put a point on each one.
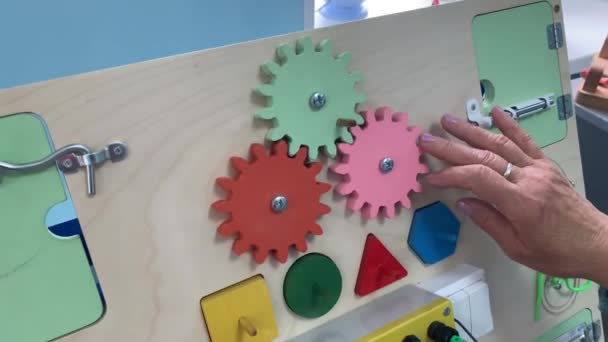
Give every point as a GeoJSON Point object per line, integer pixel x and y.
{"type": "Point", "coordinates": [316, 229]}
{"type": "Point", "coordinates": [355, 202]}
{"type": "Point", "coordinates": [227, 228]}
{"type": "Point", "coordinates": [422, 168]}
{"type": "Point", "coordinates": [360, 98]}
{"type": "Point", "coordinates": [324, 209]}
{"type": "Point", "coordinates": [345, 148]}
{"type": "Point", "coordinates": [345, 188]}
{"type": "Point", "coordinates": [326, 47]}
{"type": "Point", "coordinates": [284, 52]}
{"type": "Point", "coordinates": [304, 46]}
{"type": "Point", "coordinates": [301, 245]}
{"type": "Point", "coordinates": [315, 168]}
{"type": "Point", "coordinates": [331, 150]}
{"type": "Point", "coordinates": [271, 69]}
{"type": "Point", "coordinates": [417, 187]}
{"type": "Point", "coordinates": [390, 211]}
{"type": "Point", "coordinates": [258, 151]}
{"type": "Point", "coordinates": [356, 130]}
{"type": "Point", "coordinates": [313, 153]}
{"type": "Point", "coordinates": [260, 254]}
{"type": "Point", "coordinates": [358, 118]}
{"type": "Point", "coordinates": [294, 147]}
{"type": "Point", "coordinates": [281, 254]}
{"type": "Point", "coordinates": [266, 113]}
{"type": "Point", "coordinates": [300, 156]}
{"type": "Point", "coordinates": [371, 211]}
{"type": "Point", "coordinates": [370, 118]}
{"type": "Point", "coordinates": [279, 148]}
{"type": "Point", "coordinates": [265, 90]}
{"type": "Point", "coordinates": [225, 183]}
{"type": "Point", "coordinates": [324, 187]}
{"type": "Point", "coordinates": [415, 130]}
{"type": "Point", "coordinates": [344, 58]}
{"type": "Point", "coordinates": [356, 77]}
{"type": "Point", "coordinates": [384, 113]}
{"type": "Point", "coordinates": [223, 206]}
{"type": "Point", "coordinates": [341, 169]}
{"type": "Point", "coordinates": [275, 134]}
{"type": "Point", "coordinates": [405, 202]}
{"type": "Point", "coordinates": [346, 136]}
{"type": "Point", "coordinates": [400, 117]}
{"type": "Point", "coordinates": [239, 164]}
{"type": "Point", "coordinates": [240, 246]}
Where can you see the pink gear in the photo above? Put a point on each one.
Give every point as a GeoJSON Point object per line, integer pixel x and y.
{"type": "Point", "coordinates": [382, 165]}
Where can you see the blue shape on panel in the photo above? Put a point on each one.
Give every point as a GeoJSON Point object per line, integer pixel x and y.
{"type": "Point", "coordinates": [434, 233]}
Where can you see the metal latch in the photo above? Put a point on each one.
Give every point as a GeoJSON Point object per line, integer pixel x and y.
{"type": "Point", "coordinates": [564, 106]}
{"type": "Point", "coordinates": [518, 111]}
{"type": "Point", "coordinates": [70, 158]}
{"type": "Point", "coordinates": [528, 108]}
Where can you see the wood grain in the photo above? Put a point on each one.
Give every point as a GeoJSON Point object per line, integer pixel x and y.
{"type": "Point", "coordinates": [150, 231]}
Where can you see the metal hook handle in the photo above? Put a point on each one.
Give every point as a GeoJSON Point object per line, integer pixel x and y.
{"type": "Point", "coordinates": [70, 158]}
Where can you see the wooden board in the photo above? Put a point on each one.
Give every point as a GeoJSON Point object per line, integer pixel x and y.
{"type": "Point", "coordinates": [150, 231]}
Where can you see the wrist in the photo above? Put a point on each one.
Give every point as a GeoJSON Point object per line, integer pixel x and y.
{"type": "Point", "coordinates": [596, 265]}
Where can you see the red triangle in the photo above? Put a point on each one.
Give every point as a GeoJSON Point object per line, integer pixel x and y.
{"type": "Point", "coordinates": [378, 268]}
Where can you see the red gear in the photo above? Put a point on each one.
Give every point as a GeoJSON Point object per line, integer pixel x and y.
{"type": "Point", "coordinates": [258, 182]}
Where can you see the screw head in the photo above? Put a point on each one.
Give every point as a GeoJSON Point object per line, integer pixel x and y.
{"type": "Point", "coordinates": [67, 163]}
{"type": "Point", "coordinates": [279, 204]}
{"type": "Point", "coordinates": [118, 150]}
{"type": "Point", "coordinates": [447, 312]}
{"type": "Point", "coordinates": [387, 165]}
{"type": "Point", "coordinates": [317, 100]}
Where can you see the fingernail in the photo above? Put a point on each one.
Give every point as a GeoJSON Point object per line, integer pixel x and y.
{"type": "Point", "coordinates": [449, 118]}
{"type": "Point", "coordinates": [465, 208]}
{"type": "Point", "coordinates": [426, 137]}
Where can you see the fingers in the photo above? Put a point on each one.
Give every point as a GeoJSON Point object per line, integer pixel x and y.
{"type": "Point", "coordinates": [484, 182]}
{"type": "Point", "coordinates": [459, 154]}
{"type": "Point", "coordinates": [492, 222]}
{"type": "Point", "coordinates": [486, 140]}
{"type": "Point", "coordinates": [512, 130]}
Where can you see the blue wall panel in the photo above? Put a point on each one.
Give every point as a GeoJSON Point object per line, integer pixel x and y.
{"type": "Point", "coordinates": [45, 39]}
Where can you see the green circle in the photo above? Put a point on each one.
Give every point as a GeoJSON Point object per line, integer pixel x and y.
{"type": "Point", "coordinates": [312, 285]}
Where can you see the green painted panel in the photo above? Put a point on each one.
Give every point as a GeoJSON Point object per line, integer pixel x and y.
{"type": "Point", "coordinates": [512, 53]}
{"type": "Point", "coordinates": [47, 288]}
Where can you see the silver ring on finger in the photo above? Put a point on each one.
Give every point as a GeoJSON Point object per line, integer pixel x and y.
{"type": "Point", "coordinates": [508, 171]}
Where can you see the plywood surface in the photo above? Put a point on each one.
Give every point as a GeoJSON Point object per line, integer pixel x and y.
{"type": "Point", "coordinates": [150, 230]}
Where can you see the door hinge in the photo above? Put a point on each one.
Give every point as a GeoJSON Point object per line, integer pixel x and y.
{"type": "Point", "coordinates": [564, 107]}
{"type": "Point", "coordinates": [555, 36]}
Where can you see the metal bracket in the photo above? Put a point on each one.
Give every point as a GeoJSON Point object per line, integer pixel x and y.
{"type": "Point", "coordinates": [70, 158]}
{"type": "Point", "coordinates": [555, 36]}
{"type": "Point", "coordinates": [564, 107]}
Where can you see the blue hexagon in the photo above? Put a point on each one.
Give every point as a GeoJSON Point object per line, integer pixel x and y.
{"type": "Point", "coordinates": [434, 233]}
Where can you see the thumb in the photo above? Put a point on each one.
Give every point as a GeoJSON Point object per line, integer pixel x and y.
{"type": "Point", "coordinates": [492, 222]}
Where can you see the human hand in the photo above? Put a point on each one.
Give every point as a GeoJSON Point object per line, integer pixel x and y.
{"type": "Point", "coordinates": [535, 214]}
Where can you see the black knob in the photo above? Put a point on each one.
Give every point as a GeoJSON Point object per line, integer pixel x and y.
{"type": "Point", "coordinates": [440, 332]}
{"type": "Point", "coordinates": [411, 338]}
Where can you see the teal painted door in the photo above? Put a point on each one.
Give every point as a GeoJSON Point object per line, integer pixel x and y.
{"type": "Point", "coordinates": [515, 64]}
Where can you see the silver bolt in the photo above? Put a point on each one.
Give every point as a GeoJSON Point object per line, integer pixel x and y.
{"type": "Point", "coordinates": [317, 100]}
{"type": "Point", "coordinates": [387, 165]}
{"type": "Point", "coordinates": [117, 150]}
{"type": "Point", "coordinates": [446, 312]}
{"type": "Point", "coordinates": [279, 204]}
{"type": "Point", "coordinates": [67, 163]}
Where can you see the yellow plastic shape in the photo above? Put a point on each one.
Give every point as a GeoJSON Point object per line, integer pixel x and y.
{"type": "Point", "coordinates": [415, 323]}
{"type": "Point", "coordinates": [240, 313]}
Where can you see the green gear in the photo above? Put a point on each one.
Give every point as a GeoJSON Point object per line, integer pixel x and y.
{"type": "Point", "coordinates": [294, 80]}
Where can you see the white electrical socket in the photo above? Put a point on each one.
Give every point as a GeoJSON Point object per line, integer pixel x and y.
{"type": "Point", "coordinates": [466, 288]}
